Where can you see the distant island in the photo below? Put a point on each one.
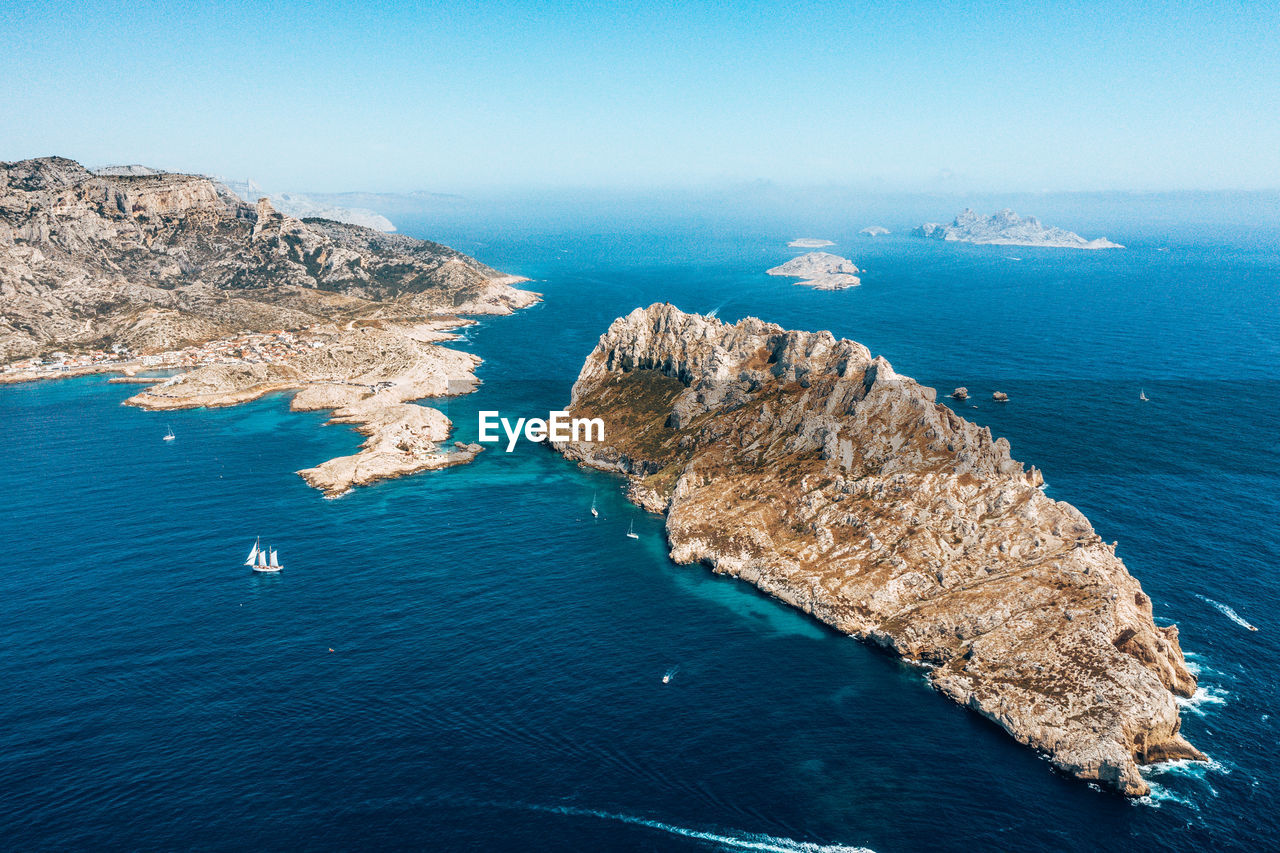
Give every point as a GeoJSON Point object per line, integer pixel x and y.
{"type": "Point", "coordinates": [131, 268]}
{"type": "Point", "coordinates": [821, 271]}
{"type": "Point", "coordinates": [874, 231]}
{"type": "Point", "coordinates": [809, 243]}
{"type": "Point", "coordinates": [802, 464]}
{"type": "Point", "coordinates": [1007, 228]}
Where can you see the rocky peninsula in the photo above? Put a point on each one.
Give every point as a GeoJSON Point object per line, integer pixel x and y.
{"type": "Point", "coordinates": [821, 271]}
{"type": "Point", "coordinates": [1007, 228]}
{"type": "Point", "coordinates": [803, 465]}
{"type": "Point", "coordinates": [131, 268]}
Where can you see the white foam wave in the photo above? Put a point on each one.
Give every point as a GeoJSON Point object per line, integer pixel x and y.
{"type": "Point", "coordinates": [1182, 769]}
{"type": "Point", "coordinates": [1187, 767]}
{"type": "Point", "coordinates": [1197, 665]}
{"type": "Point", "coordinates": [1160, 795]}
{"type": "Point", "coordinates": [737, 841]}
{"type": "Point", "coordinates": [1228, 612]}
{"type": "Point", "coordinates": [1206, 695]}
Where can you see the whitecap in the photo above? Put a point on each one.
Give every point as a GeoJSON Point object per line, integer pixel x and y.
{"type": "Point", "coordinates": [1186, 767]}
{"type": "Point", "coordinates": [1160, 795]}
{"type": "Point", "coordinates": [1204, 696]}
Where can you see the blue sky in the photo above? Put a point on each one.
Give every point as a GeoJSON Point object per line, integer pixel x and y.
{"type": "Point", "coordinates": [470, 96]}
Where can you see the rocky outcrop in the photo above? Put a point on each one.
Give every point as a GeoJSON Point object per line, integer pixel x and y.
{"type": "Point", "coordinates": [368, 377]}
{"type": "Point", "coordinates": [800, 463]}
{"type": "Point", "coordinates": [1007, 228]}
{"type": "Point", "coordinates": [147, 261]}
{"type": "Point", "coordinates": [820, 270]}
{"type": "Point", "coordinates": [155, 261]}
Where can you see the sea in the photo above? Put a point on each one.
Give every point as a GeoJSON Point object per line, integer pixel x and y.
{"type": "Point", "coordinates": [468, 660]}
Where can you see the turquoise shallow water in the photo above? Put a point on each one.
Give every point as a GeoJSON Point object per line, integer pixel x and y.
{"type": "Point", "coordinates": [495, 679]}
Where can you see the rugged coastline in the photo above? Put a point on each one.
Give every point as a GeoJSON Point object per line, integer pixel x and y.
{"type": "Point", "coordinates": [801, 464]}
{"type": "Point", "coordinates": [367, 377]}
{"type": "Point", "coordinates": [132, 269]}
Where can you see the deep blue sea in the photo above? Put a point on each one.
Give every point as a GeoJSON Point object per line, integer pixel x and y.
{"type": "Point", "coordinates": [466, 660]}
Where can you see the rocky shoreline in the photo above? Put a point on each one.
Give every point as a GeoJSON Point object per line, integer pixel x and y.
{"type": "Point", "coordinates": [130, 269]}
{"type": "Point", "coordinates": [820, 270]}
{"type": "Point", "coordinates": [367, 377]}
{"type": "Point", "coordinates": [801, 464]}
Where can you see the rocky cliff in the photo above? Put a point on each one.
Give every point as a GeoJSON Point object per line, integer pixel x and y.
{"type": "Point", "coordinates": [800, 463]}
{"type": "Point", "coordinates": [1007, 228]}
{"type": "Point", "coordinates": [156, 261]}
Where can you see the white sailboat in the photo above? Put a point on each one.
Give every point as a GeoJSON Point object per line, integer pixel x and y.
{"type": "Point", "coordinates": [595, 513]}
{"type": "Point", "coordinates": [631, 531]}
{"type": "Point", "coordinates": [1142, 395]}
{"type": "Point", "coordinates": [263, 559]}
{"type": "Point", "coordinates": [169, 436]}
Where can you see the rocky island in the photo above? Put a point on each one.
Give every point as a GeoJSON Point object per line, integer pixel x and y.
{"type": "Point", "coordinates": [821, 271]}
{"type": "Point", "coordinates": [132, 268]}
{"type": "Point", "coordinates": [809, 243]}
{"type": "Point", "coordinates": [874, 231]}
{"type": "Point", "coordinates": [802, 464]}
{"type": "Point", "coordinates": [1007, 228]}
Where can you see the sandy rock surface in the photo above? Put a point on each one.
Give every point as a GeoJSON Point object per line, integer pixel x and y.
{"type": "Point", "coordinates": [803, 465]}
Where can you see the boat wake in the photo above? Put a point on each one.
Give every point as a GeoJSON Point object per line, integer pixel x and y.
{"type": "Point", "coordinates": [671, 673]}
{"type": "Point", "coordinates": [716, 311]}
{"type": "Point", "coordinates": [1228, 612]}
{"type": "Point", "coordinates": [735, 841]}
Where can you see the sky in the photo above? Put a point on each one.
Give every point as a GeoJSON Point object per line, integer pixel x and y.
{"type": "Point", "coordinates": [465, 97]}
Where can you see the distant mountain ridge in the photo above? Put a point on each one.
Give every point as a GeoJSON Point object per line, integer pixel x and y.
{"type": "Point", "coordinates": [152, 260]}
{"type": "Point", "coordinates": [303, 205]}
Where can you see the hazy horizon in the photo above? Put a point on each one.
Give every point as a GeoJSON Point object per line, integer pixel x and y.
{"type": "Point", "coordinates": [474, 98]}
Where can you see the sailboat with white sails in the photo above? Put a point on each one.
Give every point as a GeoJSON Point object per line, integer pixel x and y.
{"type": "Point", "coordinates": [263, 559]}
{"type": "Point", "coordinates": [631, 531]}
{"type": "Point", "coordinates": [169, 436]}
